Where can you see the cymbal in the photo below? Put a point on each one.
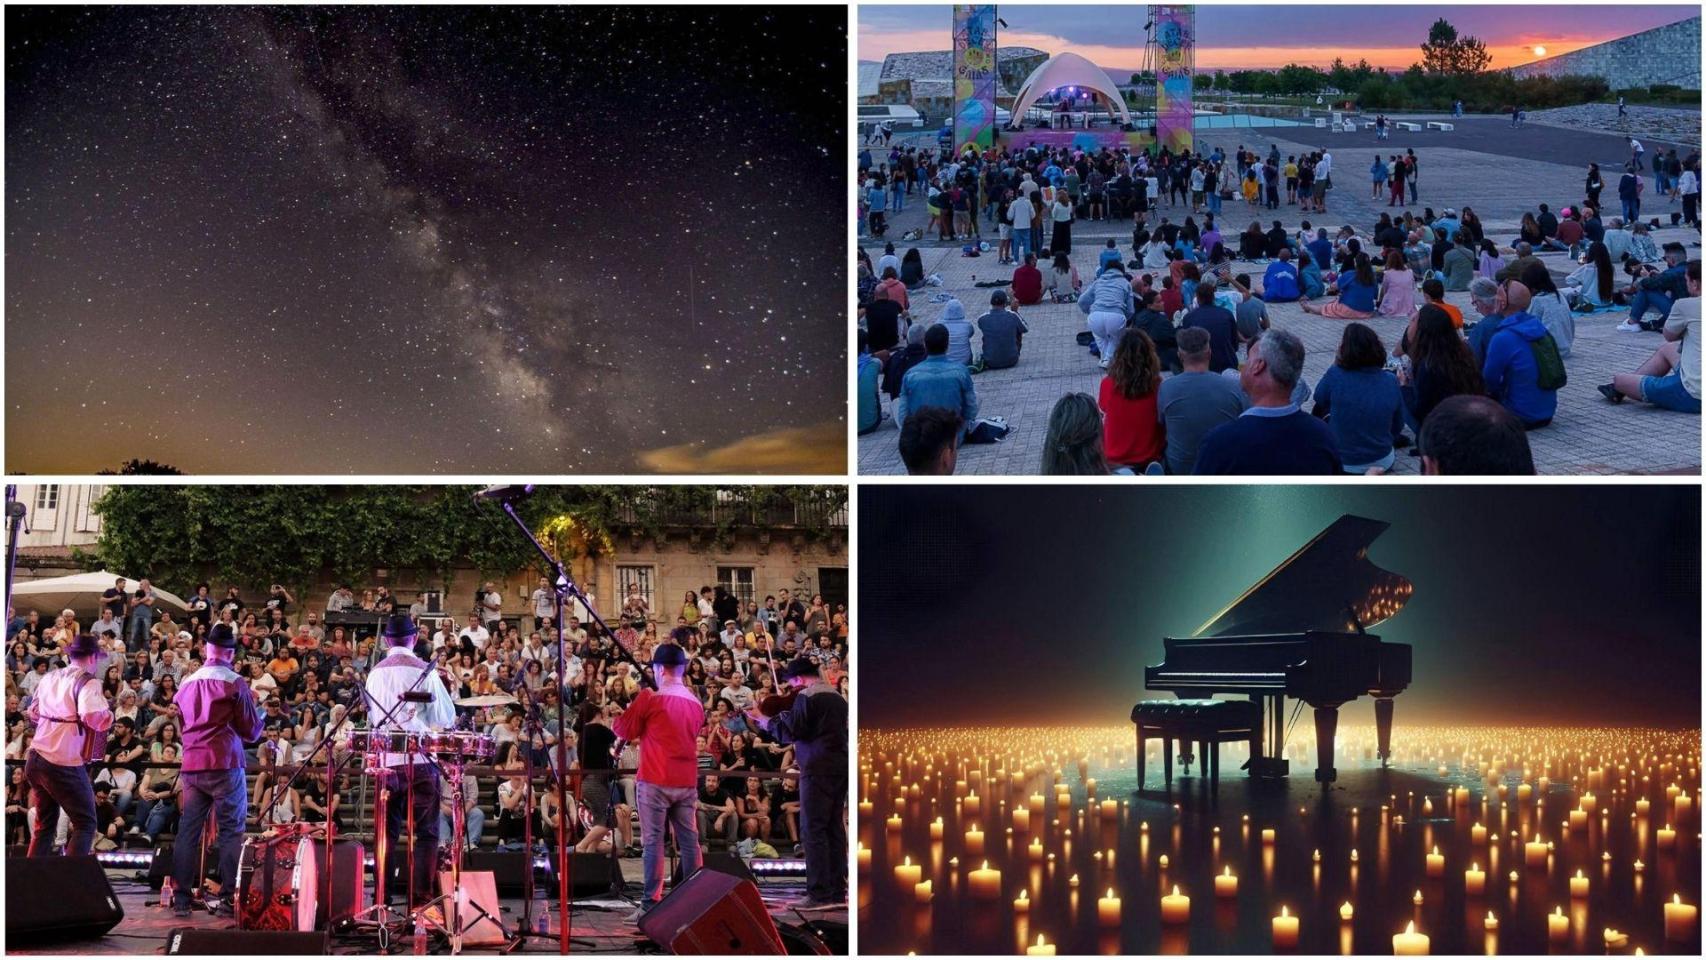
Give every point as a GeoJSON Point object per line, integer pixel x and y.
{"type": "Point", "coordinates": [489, 700]}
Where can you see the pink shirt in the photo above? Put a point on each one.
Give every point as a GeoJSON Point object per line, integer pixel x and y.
{"type": "Point", "coordinates": [58, 742]}
{"type": "Point", "coordinates": [219, 718]}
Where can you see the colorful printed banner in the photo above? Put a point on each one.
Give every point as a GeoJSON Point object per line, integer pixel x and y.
{"type": "Point", "coordinates": [1175, 61]}
{"type": "Point", "coordinates": [974, 76]}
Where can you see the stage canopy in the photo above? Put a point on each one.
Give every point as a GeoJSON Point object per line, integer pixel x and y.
{"type": "Point", "coordinates": [81, 593]}
{"type": "Point", "coordinates": [1068, 70]}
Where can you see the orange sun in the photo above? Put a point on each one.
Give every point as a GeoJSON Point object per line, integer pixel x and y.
{"type": "Point", "coordinates": [1539, 51]}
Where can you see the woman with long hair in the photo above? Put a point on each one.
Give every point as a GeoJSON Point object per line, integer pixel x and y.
{"type": "Point", "coordinates": [1529, 231]}
{"type": "Point", "coordinates": [1441, 366]}
{"type": "Point", "coordinates": [1360, 401]}
{"type": "Point", "coordinates": [1549, 305]}
{"type": "Point", "coordinates": [1132, 434]}
{"type": "Point", "coordinates": [1356, 292]}
{"type": "Point", "coordinates": [1397, 287]}
{"type": "Point", "coordinates": [1489, 262]}
{"type": "Point", "coordinates": [1073, 446]}
{"type": "Point", "coordinates": [1592, 282]}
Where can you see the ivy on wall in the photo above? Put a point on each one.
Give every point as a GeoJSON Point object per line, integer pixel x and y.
{"type": "Point", "coordinates": [252, 536]}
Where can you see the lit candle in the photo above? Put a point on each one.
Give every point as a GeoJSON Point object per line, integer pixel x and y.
{"type": "Point", "coordinates": [1022, 903]}
{"type": "Point", "coordinates": [1578, 819]}
{"type": "Point", "coordinates": [1285, 930]}
{"type": "Point", "coordinates": [1684, 803]}
{"type": "Point", "coordinates": [1163, 861]}
{"type": "Point", "coordinates": [1417, 899]}
{"type": "Point", "coordinates": [1021, 819]}
{"type": "Point", "coordinates": [1639, 866]}
{"type": "Point", "coordinates": [1347, 912]}
{"type": "Point", "coordinates": [1267, 836]}
{"type": "Point", "coordinates": [1680, 919]}
{"type": "Point", "coordinates": [1642, 806]}
{"type": "Point", "coordinates": [1557, 926]}
{"type": "Point", "coordinates": [1535, 852]}
{"type": "Point", "coordinates": [1615, 938]}
{"type": "Point", "coordinates": [936, 829]}
{"type": "Point", "coordinates": [1524, 790]}
{"type": "Point", "coordinates": [1474, 880]}
{"type": "Point", "coordinates": [1578, 885]}
{"type": "Point", "coordinates": [1036, 848]}
{"type": "Point", "coordinates": [985, 883]}
{"type": "Point", "coordinates": [921, 891]}
{"type": "Point", "coordinates": [1410, 943]}
{"type": "Point", "coordinates": [1226, 885]}
{"type": "Point", "coordinates": [1108, 909]}
{"type": "Point", "coordinates": [894, 822]}
{"type": "Point", "coordinates": [908, 874]}
{"type": "Point", "coordinates": [1590, 803]}
{"type": "Point", "coordinates": [1478, 835]}
{"type": "Point", "coordinates": [864, 857]}
{"type": "Point", "coordinates": [864, 809]}
{"type": "Point", "coordinates": [1436, 864]}
{"type": "Point", "coordinates": [1667, 837]}
{"type": "Point", "coordinates": [974, 842]}
{"type": "Point", "coordinates": [1073, 883]}
{"type": "Point", "coordinates": [1040, 949]}
{"type": "Point", "coordinates": [973, 805]}
{"type": "Point", "coordinates": [1110, 808]}
{"type": "Point", "coordinates": [1176, 908]}
{"type": "Point", "coordinates": [1672, 792]}
{"type": "Point", "coordinates": [1491, 923]}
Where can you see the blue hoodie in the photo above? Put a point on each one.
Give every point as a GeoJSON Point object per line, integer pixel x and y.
{"type": "Point", "coordinates": [959, 331]}
{"type": "Point", "coordinates": [1510, 370]}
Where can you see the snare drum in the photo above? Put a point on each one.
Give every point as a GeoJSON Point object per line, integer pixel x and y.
{"type": "Point", "coordinates": [460, 747]}
{"type": "Point", "coordinates": [278, 883]}
{"type": "Point", "coordinates": [379, 741]}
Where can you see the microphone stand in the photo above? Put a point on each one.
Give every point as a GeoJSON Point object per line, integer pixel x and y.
{"type": "Point", "coordinates": [565, 588]}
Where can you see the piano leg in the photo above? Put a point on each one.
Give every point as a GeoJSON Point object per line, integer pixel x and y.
{"type": "Point", "coordinates": [1383, 727]}
{"type": "Point", "coordinates": [1140, 756]}
{"type": "Point", "coordinates": [1326, 728]}
{"type": "Point", "coordinates": [1167, 759]}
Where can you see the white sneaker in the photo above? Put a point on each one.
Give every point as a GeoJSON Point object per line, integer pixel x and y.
{"type": "Point", "coordinates": [1628, 327]}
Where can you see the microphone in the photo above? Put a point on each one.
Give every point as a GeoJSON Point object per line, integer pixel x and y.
{"type": "Point", "coordinates": [503, 492]}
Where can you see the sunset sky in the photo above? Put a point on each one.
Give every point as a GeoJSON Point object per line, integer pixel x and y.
{"type": "Point", "coordinates": [1240, 36]}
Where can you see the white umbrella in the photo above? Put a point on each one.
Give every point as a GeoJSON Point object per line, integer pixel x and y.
{"type": "Point", "coordinates": [80, 592]}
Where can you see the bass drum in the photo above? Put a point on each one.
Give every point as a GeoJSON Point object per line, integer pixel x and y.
{"type": "Point", "coordinates": [278, 883]}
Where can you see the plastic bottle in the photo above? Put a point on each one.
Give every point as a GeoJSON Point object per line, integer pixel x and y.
{"type": "Point", "coordinates": [166, 890]}
{"type": "Point", "coordinates": [542, 922]}
{"type": "Point", "coordinates": [420, 937]}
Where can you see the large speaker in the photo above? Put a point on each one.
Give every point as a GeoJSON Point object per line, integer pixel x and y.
{"type": "Point", "coordinates": [589, 874]}
{"type": "Point", "coordinates": [713, 913]}
{"type": "Point", "coordinates": [190, 942]}
{"type": "Point", "coordinates": [58, 899]}
{"type": "Point", "coordinates": [348, 894]}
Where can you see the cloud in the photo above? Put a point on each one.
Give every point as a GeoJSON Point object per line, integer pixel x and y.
{"type": "Point", "coordinates": [818, 449]}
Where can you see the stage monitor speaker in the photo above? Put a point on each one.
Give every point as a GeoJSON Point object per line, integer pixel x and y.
{"type": "Point", "coordinates": [160, 867]}
{"type": "Point", "coordinates": [481, 891]}
{"type": "Point", "coordinates": [190, 942]}
{"type": "Point", "coordinates": [713, 913]}
{"type": "Point", "coordinates": [57, 900]}
{"type": "Point", "coordinates": [348, 895]}
{"type": "Point", "coordinates": [727, 863]}
{"type": "Point", "coordinates": [589, 875]}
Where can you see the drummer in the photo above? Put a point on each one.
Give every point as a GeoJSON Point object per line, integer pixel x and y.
{"type": "Point", "coordinates": [393, 676]}
{"type": "Point", "coordinates": [219, 717]}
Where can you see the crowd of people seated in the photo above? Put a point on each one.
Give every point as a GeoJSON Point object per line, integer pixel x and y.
{"type": "Point", "coordinates": [1182, 273]}
{"type": "Point", "coordinates": [308, 679]}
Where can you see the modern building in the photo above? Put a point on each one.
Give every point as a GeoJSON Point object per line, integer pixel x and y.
{"type": "Point", "coordinates": [1663, 55]}
{"type": "Point", "coordinates": [925, 80]}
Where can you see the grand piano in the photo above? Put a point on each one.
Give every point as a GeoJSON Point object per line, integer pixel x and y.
{"type": "Point", "coordinates": [1301, 632]}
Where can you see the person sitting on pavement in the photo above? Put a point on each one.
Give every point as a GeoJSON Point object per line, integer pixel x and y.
{"type": "Point", "coordinates": [1273, 437]}
{"type": "Point", "coordinates": [1361, 403]}
{"type": "Point", "coordinates": [1003, 334]}
{"type": "Point", "coordinates": [1671, 376]}
{"type": "Point", "coordinates": [1221, 324]}
{"type": "Point", "coordinates": [1521, 262]}
{"type": "Point", "coordinates": [1655, 290]}
{"type": "Point", "coordinates": [1511, 370]}
{"type": "Point", "coordinates": [902, 360]}
{"type": "Point", "coordinates": [939, 381]}
{"type": "Point", "coordinates": [1280, 281]}
{"type": "Point", "coordinates": [1028, 282]}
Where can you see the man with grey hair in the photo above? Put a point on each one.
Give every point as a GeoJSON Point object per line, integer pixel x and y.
{"type": "Point", "coordinates": [1274, 436]}
{"type": "Point", "coordinates": [1617, 240]}
{"type": "Point", "coordinates": [1514, 269]}
{"type": "Point", "coordinates": [1484, 297]}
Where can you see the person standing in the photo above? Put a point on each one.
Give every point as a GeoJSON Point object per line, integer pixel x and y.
{"type": "Point", "coordinates": [666, 723]}
{"type": "Point", "coordinates": [412, 779]}
{"type": "Point", "coordinates": [67, 711]}
{"type": "Point", "coordinates": [816, 724]}
{"type": "Point", "coordinates": [219, 718]}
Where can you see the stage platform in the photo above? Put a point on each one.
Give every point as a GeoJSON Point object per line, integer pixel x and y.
{"type": "Point", "coordinates": [599, 926]}
{"type": "Point", "coordinates": [1089, 141]}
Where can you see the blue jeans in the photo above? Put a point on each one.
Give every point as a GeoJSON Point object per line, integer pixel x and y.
{"type": "Point", "coordinates": [1021, 243]}
{"type": "Point", "coordinates": [136, 631]}
{"type": "Point", "coordinates": [161, 815]}
{"type": "Point", "coordinates": [224, 794]}
{"type": "Point", "coordinates": [676, 807]}
{"type": "Point", "coordinates": [1645, 300]}
{"type": "Point", "coordinates": [1668, 392]}
{"type": "Point", "coordinates": [54, 788]}
{"type": "Point", "coordinates": [1632, 210]}
{"type": "Point", "coordinates": [475, 821]}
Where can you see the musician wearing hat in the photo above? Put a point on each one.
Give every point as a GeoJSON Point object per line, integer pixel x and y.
{"type": "Point", "coordinates": [69, 713]}
{"type": "Point", "coordinates": [397, 673]}
{"type": "Point", "coordinates": [816, 724]}
{"type": "Point", "coordinates": [665, 723]}
{"type": "Point", "coordinates": [219, 719]}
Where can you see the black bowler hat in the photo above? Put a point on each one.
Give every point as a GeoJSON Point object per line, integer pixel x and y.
{"type": "Point", "coordinates": [400, 626]}
{"type": "Point", "coordinates": [83, 645]}
{"type": "Point", "coordinates": [221, 635]}
{"type": "Point", "coordinates": [669, 655]}
{"type": "Point", "coordinates": [800, 667]}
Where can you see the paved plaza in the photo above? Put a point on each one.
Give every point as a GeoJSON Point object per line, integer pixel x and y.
{"type": "Point", "coordinates": [1474, 165]}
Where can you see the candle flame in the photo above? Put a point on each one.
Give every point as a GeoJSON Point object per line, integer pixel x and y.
{"type": "Point", "coordinates": [1285, 911]}
{"type": "Point", "coordinates": [1039, 940]}
{"type": "Point", "coordinates": [1578, 874]}
{"type": "Point", "coordinates": [1410, 927]}
{"type": "Point", "coordinates": [1436, 849]}
{"type": "Point", "coordinates": [986, 864]}
{"type": "Point", "coordinates": [1228, 872]}
{"type": "Point", "coordinates": [1558, 912]}
{"type": "Point", "coordinates": [1676, 898]}
{"type": "Point", "coordinates": [1490, 915]}
{"type": "Point", "coordinates": [908, 862]}
{"type": "Point", "coordinates": [1175, 889]}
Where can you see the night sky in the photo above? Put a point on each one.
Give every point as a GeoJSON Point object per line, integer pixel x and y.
{"type": "Point", "coordinates": [395, 240]}
{"type": "Point", "coordinates": [1552, 604]}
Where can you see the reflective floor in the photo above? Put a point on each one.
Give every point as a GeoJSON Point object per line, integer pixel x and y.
{"type": "Point", "coordinates": [1434, 796]}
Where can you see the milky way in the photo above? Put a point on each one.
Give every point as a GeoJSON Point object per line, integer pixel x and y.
{"type": "Point", "coordinates": [397, 240]}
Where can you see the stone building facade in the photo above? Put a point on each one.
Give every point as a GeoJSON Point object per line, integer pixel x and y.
{"type": "Point", "coordinates": [1663, 55]}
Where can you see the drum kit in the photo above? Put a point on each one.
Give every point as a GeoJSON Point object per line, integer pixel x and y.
{"type": "Point", "coordinates": [284, 879]}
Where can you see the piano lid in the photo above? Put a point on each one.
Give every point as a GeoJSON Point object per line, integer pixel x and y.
{"type": "Point", "coordinates": [1319, 587]}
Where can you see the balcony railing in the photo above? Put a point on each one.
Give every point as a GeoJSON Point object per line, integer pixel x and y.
{"type": "Point", "coordinates": [731, 507]}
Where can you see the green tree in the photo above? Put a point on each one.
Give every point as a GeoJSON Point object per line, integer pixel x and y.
{"type": "Point", "coordinates": [1445, 52]}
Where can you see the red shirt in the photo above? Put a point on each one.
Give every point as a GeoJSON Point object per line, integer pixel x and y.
{"type": "Point", "coordinates": [1172, 301]}
{"type": "Point", "coordinates": [1131, 431]}
{"type": "Point", "coordinates": [219, 717]}
{"type": "Point", "coordinates": [666, 722]}
{"type": "Point", "coordinates": [1028, 284]}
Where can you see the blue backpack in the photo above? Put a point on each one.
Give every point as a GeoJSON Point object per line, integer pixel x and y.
{"type": "Point", "coordinates": [1281, 286]}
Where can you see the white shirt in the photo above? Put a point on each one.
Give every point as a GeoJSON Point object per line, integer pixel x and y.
{"type": "Point", "coordinates": [387, 682]}
{"type": "Point", "coordinates": [491, 610]}
{"type": "Point", "coordinates": [544, 604]}
{"type": "Point", "coordinates": [62, 743]}
{"type": "Point", "coordinates": [477, 634]}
